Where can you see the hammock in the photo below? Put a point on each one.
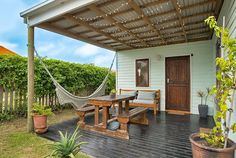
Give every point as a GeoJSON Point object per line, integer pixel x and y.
{"type": "Point", "coordinates": [65, 97]}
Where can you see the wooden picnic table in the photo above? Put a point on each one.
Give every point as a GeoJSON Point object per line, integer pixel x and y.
{"type": "Point", "coordinates": [124, 116]}
{"type": "Point", "coordinates": [106, 102]}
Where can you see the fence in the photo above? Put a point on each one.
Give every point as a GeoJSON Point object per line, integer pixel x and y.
{"type": "Point", "coordinates": [15, 101]}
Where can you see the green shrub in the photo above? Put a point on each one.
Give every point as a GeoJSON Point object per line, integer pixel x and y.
{"type": "Point", "coordinates": [41, 110]}
{"type": "Point", "coordinates": [73, 77]}
{"type": "Point", "coordinates": [6, 116]}
{"type": "Point", "coordinates": [67, 147]}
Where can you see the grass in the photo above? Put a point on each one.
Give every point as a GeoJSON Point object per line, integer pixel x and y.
{"type": "Point", "coordinates": [15, 142]}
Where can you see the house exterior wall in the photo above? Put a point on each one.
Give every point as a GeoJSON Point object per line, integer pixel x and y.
{"type": "Point", "coordinates": [201, 67]}
{"type": "Point", "coordinates": [229, 11]}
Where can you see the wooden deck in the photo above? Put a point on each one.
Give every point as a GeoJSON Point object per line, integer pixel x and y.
{"type": "Point", "coordinates": [165, 137]}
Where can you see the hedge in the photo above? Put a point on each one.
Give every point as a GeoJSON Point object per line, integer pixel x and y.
{"type": "Point", "coordinates": [76, 78]}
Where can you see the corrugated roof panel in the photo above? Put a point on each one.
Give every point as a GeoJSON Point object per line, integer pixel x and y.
{"type": "Point", "coordinates": [135, 24]}
{"type": "Point", "coordinates": [162, 14]}
{"type": "Point", "coordinates": [128, 16]}
{"type": "Point", "coordinates": [115, 6]}
{"type": "Point", "coordinates": [79, 29]}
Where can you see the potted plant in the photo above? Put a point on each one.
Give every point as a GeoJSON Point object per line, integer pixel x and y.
{"type": "Point", "coordinates": [113, 93]}
{"type": "Point", "coordinates": [203, 108]}
{"type": "Point", "coordinates": [216, 143]}
{"type": "Point", "coordinates": [68, 146]}
{"type": "Point", "coordinates": [40, 114]}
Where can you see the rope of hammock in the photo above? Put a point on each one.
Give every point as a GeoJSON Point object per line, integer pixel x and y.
{"type": "Point", "coordinates": [65, 97]}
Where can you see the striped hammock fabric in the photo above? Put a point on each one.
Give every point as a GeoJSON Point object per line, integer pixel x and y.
{"type": "Point", "coordinates": [66, 97]}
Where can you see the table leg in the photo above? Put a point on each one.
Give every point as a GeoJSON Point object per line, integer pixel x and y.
{"type": "Point", "coordinates": [96, 116]}
{"type": "Point", "coordinates": [104, 116]}
{"type": "Point", "coordinates": [120, 107]}
{"type": "Point", "coordinates": [127, 106]}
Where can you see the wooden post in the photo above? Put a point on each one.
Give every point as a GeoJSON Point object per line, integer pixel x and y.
{"type": "Point", "coordinates": [30, 77]}
{"type": "Point", "coordinates": [104, 116]}
{"type": "Point", "coordinates": [96, 116]}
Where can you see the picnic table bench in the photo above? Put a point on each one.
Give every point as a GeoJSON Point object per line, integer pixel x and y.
{"type": "Point", "coordinates": [136, 115]}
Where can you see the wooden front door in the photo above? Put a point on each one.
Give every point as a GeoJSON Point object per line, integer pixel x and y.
{"type": "Point", "coordinates": [178, 83]}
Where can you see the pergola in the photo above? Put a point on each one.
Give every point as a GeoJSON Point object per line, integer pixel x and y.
{"type": "Point", "coordinates": [119, 24]}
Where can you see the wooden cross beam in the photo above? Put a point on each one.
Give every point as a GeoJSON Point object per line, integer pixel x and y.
{"type": "Point", "coordinates": [58, 30]}
{"type": "Point", "coordinates": [178, 12]}
{"type": "Point", "coordinates": [86, 24]}
{"type": "Point", "coordinates": [119, 25]}
{"type": "Point", "coordinates": [139, 11]}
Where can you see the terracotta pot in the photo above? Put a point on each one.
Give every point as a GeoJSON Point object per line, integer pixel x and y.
{"type": "Point", "coordinates": [201, 151]}
{"type": "Point", "coordinates": [40, 123]}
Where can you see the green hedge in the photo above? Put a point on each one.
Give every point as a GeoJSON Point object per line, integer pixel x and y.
{"type": "Point", "coordinates": [73, 77]}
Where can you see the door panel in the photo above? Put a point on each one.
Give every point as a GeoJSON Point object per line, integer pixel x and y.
{"type": "Point", "coordinates": [178, 83]}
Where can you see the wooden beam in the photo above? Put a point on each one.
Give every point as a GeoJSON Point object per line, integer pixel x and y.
{"type": "Point", "coordinates": [83, 38]}
{"type": "Point", "coordinates": [86, 24]}
{"type": "Point", "coordinates": [30, 86]}
{"type": "Point", "coordinates": [139, 11]}
{"type": "Point", "coordinates": [95, 36]}
{"type": "Point", "coordinates": [179, 14]}
{"type": "Point", "coordinates": [119, 25]}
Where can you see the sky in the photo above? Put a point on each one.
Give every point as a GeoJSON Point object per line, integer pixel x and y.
{"type": "Point", "coordinates": [13, 35]}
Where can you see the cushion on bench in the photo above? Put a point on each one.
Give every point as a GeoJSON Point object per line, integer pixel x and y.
{"type": "Point", "coordinates": [132, 93]}
{"type": "Point", "coordinates": [146, 95]}
{"type": "Point", "coordinates": [138, 101]}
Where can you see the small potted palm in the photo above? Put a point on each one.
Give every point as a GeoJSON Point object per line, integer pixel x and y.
{"type": "Point", "coordinates": [216, 142]}
{"type": "Point", "coordinates": [113, 93]}
{"type": "Point", "coordinates": [203, 107]}
{"type": "Point", "coordinates": [40, 114]}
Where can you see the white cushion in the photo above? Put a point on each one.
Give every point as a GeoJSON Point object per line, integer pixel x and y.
{"type": "Point", "coordinates": [143, 101]}
{"type": "Point", "coordinates": [132, 93]}
{"type": "Point", "coordinates": [146, 95]}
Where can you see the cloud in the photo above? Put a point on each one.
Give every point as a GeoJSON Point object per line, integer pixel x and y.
{"type": "Point", "coordinates": [86, 50]}
{"type": "Point", "coordinates": [105, 59]}
{"type": "Point", "coordinates": [14, 36]}
{"type": "Point", "coordinates": [11, 46]}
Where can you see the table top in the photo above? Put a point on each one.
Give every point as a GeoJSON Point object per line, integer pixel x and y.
{"type": "Point", "coordinates": [108, 98]}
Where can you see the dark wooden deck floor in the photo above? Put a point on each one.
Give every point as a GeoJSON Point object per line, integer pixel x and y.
{"type": "Point", "coordinates": [166, 136]}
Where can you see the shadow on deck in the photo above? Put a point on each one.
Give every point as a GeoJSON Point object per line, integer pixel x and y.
{"type": "Point", "coordinates": [166, 136]}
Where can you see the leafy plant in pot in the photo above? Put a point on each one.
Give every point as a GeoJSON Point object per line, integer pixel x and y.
{"type": "Point", "coordinates": [203, 108]}
{"type": "Point", "coordinates": [215, 144]}
{"type": "Point", "coordinates": [113, 93]}
{"type": "Point", "coordinates": [40, 114]}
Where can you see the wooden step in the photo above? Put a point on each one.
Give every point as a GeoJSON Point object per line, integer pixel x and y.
{"type": "Point", "coordinates": [178, 112]}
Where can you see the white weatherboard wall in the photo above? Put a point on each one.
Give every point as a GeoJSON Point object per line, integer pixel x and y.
{"type": "Point", "coordinates": [201, 67]}
{"type": "Point", "coordinates": [229, 11]}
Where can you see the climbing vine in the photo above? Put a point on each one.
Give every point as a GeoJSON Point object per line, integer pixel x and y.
{"type": "Point", "coordinates": [74, 77]}
{"type": "Point", "coordinates": [225, 90]}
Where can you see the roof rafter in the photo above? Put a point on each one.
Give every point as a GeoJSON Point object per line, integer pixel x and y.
{"type": "Point", "coordinates": [179, 14]}
{"type": "Point", "coordinates": [86, 24]}
{"type": "Point", "coordinates": [139, 11]}
{"type": "Point", "coordinates": [110, 19]}
{"type": "Point", "coordinates": [49, 27]}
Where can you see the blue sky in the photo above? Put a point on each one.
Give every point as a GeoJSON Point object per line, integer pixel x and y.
{"type": "Point", "coordinates": [13, 35]}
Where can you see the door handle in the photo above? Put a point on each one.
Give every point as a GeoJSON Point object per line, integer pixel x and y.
{"type": "Point", "coordinates": [168, 80]}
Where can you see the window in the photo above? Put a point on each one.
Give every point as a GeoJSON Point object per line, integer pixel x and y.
{"type": "Point", "coordinates": [142, 73]}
